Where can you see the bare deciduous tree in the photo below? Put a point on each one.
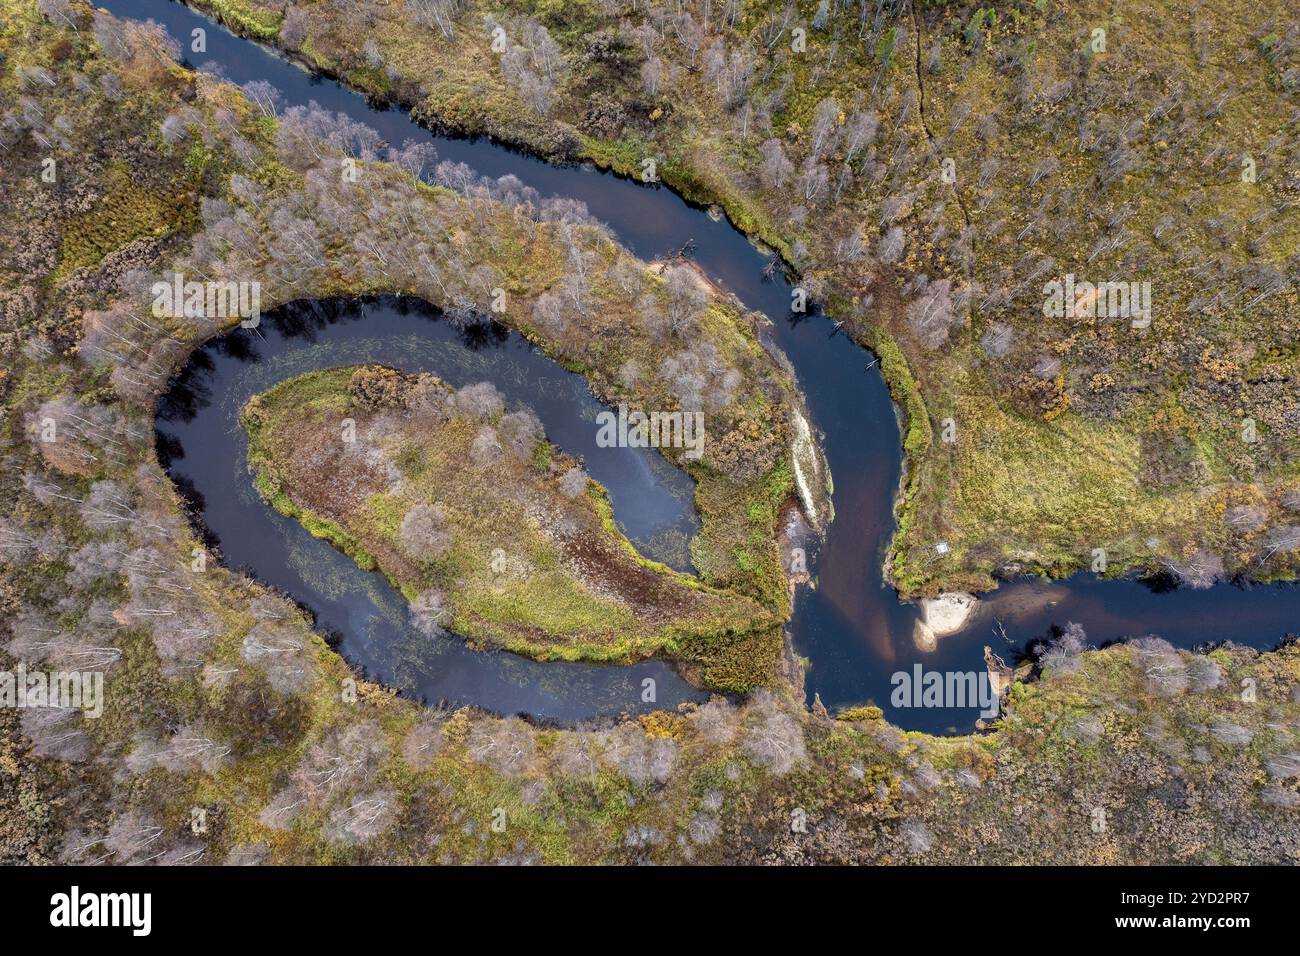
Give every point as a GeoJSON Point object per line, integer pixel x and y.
{"type": "Point", "coordinates": [424, 533]}
{"type": "Point", "coordinates": [772, 736]}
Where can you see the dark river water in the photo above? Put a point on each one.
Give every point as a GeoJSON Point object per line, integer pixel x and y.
{"type": "Point", "coordinates": [851, 628]}
{"type": "Point", "coordinates": [204, 449]}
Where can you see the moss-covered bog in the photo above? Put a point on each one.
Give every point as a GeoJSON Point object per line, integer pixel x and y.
{"type": "Point", "coordinates": [222, 699]}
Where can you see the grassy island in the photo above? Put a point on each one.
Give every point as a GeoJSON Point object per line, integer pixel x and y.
{"type": "Point", "coordinates": [486, 528]}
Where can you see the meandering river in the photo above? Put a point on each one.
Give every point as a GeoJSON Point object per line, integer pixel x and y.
{"type": "Point", "coordinates": [851, 628]}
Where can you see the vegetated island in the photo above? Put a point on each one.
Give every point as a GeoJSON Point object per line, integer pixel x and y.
{"type": "Point", "coordinates": [486, 528]}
